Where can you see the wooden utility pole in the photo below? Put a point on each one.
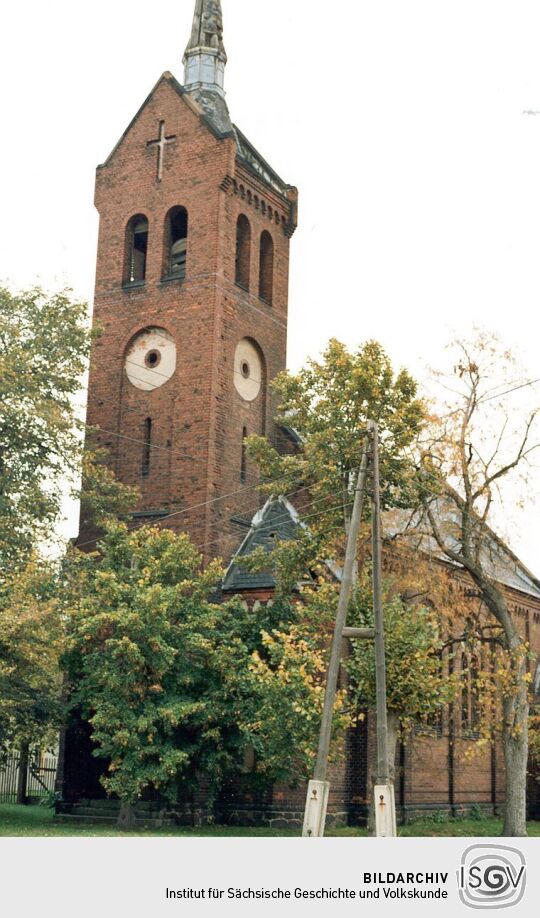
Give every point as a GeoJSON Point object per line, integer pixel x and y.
{"type": "Point", "coordinates": [385, 807]}
{"type": "Point", "coordinates": [318, 788]}
{"type": "Point", "coordinates": [380, 664]}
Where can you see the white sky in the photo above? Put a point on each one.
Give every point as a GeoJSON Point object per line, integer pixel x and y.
{"type": "Point", "coordinates": [401, 122]}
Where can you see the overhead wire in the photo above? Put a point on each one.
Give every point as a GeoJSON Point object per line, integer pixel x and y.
{"type": "Point", "coordinates": [204, 546]}
{"type": "Point", "coordinates": [202, 504]}
{"type": "Point", "coordinates": [257, 484]}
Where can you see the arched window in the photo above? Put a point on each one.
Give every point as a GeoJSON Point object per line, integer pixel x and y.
{"type": "Point", "coordinates": [136, 250]}
{"type": "Point", "coordinates": [147, 448]}
{"type": "Point", "coordinates": [176, 236]}
{"type": "Point", "coordinates": [243, 252]}
{"type": "Point", "coordinates": [266, 268]}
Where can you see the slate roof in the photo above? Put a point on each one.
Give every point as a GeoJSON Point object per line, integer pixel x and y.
{"type": "Point", "coordinates": [279, 521]}
{"type": "Point", "coordinates": [276, 521]}
{"type": "Point", "coordinates": [251, 157]}
{"type": "Point", "coordinates": [499, 561]}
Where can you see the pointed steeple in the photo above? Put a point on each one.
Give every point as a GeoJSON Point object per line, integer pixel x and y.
{"type": "Point", "coordinates": [205, 57]}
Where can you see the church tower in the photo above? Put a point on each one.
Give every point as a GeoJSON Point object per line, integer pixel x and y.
{"type": "Point", "coordinates": [191, 298]}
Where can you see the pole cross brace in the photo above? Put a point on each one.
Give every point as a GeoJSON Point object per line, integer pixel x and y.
{"type": "Point", "coordinates": [360, 634]}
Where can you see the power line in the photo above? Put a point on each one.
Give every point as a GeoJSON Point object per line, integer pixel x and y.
{"type": "Point", "coordinates": [489, 398]}
{"type": "Point", "coordinates": [201, 547]}
{"type": "Point", "coordinates": [530, 382]}
{"type": "Point", "coordinates": [224, 535]}
{"type": "Point", "coordinates": [214, 500]}
{"type": "Point", "coordinates": [270, 526]}
{"type": "Point", "coordinates": [168, 376]}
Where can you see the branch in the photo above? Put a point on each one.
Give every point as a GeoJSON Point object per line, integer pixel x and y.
{"type": "Point", "coordinates": [522, 452]}
{"type": "Point", "coordinates": [452, 555]}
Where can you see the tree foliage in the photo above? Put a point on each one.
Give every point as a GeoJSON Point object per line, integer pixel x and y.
{"type": "Point", "coordinates": [466, 456]}
{"type": "Point", "coordinates": [328, 403]}
{"type": "Point", "coordinates": [417, 685]}
{"type": "Point", "coordinates": [31, 640]}
{"type": "Point", "coordinates": [285, 693]}
{"type": "Point", "coordinates": [44, 344]}
{"type": "Point", "coordinates": [103, 498]}
{"type": "Point", "coordinates": [173, 685]}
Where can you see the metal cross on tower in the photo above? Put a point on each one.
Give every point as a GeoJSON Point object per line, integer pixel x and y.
{"type": "Point", "coordinates": [161, 143]}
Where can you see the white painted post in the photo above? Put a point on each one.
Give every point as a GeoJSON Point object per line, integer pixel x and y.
{"type": "Point", "coordinates": [315, 812]}
{"type": "Point", "coordinates": [385, 811]}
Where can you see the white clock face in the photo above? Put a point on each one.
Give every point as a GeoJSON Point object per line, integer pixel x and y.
{"type": "Point", "coordinates": [248, 370]}
{"type": "Point", "coordinates": [151, 359]}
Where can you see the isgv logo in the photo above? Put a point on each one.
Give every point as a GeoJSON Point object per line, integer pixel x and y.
{"type": "Point", "coordinates": [491, 876]}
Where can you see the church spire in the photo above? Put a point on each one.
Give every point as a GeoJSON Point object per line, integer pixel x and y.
{"type": "Point", "coordinates": [205, 57]}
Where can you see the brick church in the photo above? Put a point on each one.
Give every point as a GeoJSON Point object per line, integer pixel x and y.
{"type": "Point", "coordinates": [191, 296]}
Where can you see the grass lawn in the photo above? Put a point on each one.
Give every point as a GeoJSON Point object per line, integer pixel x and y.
{"type": "Point", "coordinates": [38, 820]}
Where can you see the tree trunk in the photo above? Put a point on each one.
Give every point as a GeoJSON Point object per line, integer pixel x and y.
{"type": "Point", "coordinates": [516, 715]}
{"type": "Point", "coordinates": [515, 709]}
{"type": "Point", "coordinates": [393, 731]}
{"type": "Point", "coordinates": [22, 778]}
{"type": "Point", "coordinates": [127, 819]}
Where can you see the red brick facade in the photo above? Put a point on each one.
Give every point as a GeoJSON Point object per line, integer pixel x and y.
{"type": "Point", "coordinates": [191, 469]}
{"type": "Point", "coordinates": [437, 769]}
{"type": "Point", "coordinates": [198, 418]}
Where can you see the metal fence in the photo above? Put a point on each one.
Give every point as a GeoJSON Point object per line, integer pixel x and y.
{"type": "Point", "coordinates": [40, 776]}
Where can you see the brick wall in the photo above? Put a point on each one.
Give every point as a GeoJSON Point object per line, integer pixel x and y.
{"type": "Point", "coordinates": [198, 417]}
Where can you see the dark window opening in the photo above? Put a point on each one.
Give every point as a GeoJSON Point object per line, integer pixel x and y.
{"type": "Point", "coordinates": [465, 693]}
{"type": "Point", "coordinates": [152, 359]}
{"type": "Point", "coordinates": [177, 236]}
{"type": "Point", "coordinates": [137, 249]}
{"type": "Point", "coordinates": [147, 449]}
{"type": "Point", "coordinates": [245, 369]}
{"type": "Point", "coordinates": [475, 700]}
{"type": "Point", "coordinates": [243, 252]}
{"type": "Point", "coordinates": [435, 718]}
{"type": "Point", "coordinates": [470, 708]}
{"type": "Point", "coordinates": [243, 461]}
{"type": "Point", "coordinates": [266, 268]}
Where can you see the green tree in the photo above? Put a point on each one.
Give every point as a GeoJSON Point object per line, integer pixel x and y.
{"type": "Point", "coordinates": [44, 344]}
{"type": "Point", "coordinates": [284, 697]}
{"type": "Point", "coordinates": [103, 499]}
{"type": "Point", "coordinates": [417, 686]}
{"type": "Point", "coordinates": [328, 403]}
{"type": "Point", "coordinates": [31, 640]}
{"type": "Point", "coordinates": [172, 684]}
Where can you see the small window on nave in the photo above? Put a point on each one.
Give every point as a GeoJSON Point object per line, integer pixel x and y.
{"type": "Point", "coordinates": [470, 702]}
{"type": "Point", "coordinates": [136, 250]}
{"type": "Point", "coordinates": [176, 236]}
{"type": "Point", "coordinates": [243, 252]}
{"type": "Point", "coordinates": [266, 268]}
